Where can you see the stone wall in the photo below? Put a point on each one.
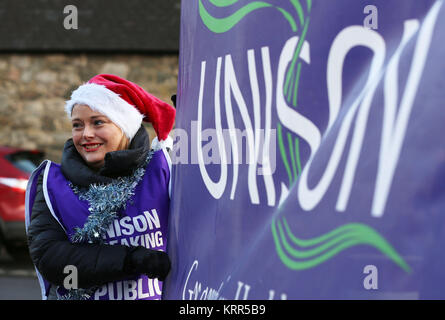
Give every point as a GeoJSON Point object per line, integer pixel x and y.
{"type": "Point", "coordinates": [34, 87]}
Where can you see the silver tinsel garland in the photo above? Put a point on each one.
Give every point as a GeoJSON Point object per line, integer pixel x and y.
{"type": "Point", "coordinates": [105, 200]}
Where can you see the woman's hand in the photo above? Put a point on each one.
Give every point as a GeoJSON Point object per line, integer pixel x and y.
{"type": "Point", "coordinates": [153, 263]}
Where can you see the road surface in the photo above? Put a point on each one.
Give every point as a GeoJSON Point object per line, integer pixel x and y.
{"type": "Point", "coordinates": [18, 280]}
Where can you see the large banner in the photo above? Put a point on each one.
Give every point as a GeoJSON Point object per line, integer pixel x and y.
{"type": "Point", "coordinates": [309, 158]}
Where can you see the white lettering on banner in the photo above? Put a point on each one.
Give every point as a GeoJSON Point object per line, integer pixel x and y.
{"type": "Point", "coordinates": [206, 294]}
{"type": "Point", "coordinates": [216, 189]}
{"type": "Point", "coordinates": [254, 132]}
{"type": "Point", "coordinates": [347, 39]}
{"type": "Point", "coordinates": [211, 149]}
{"type": "Point", "coordinates": [129, 289]}
{"type": "Point", "coordinates": [239, 289]}
{"type": "Point", "coordinates": [197, 291]}
{"type": "Point", "coordinates": [395, 129]}
{"type": "Point", "coordinates": [394, 122]}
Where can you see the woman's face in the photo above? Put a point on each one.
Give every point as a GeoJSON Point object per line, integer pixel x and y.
{"type": "Point", "coordinates": [94, 135]}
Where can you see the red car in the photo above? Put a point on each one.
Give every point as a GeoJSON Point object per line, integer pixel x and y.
{"type": "Point", "coordinates": [16, 166]}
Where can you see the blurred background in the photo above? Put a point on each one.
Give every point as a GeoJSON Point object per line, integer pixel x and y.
{"type": "Point", "coordinates": [47, 49]}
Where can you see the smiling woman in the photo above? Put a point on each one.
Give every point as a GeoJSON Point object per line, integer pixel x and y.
{"type": "Point", "coordinates": [94, 135]}
{"type": "Point", "coordinates": [106, 178]}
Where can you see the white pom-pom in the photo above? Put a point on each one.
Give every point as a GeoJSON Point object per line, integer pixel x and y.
{"type": "Point", "coordinates": [158, 145]}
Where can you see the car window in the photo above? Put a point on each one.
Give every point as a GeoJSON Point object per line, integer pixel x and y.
{"type": "Point", "coordinates": [26, 160]}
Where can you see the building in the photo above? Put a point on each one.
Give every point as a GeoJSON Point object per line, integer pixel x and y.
{"type": "Point", "coordinates": [48, 48]}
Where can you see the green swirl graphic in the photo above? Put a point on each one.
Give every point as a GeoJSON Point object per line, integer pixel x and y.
{"type": "Point", "coordinates": [299, 10]}
{"type": "Point", "coordinates": [221, 25]}
{"type": "Point", "coordinates": [296, 253]}
{"type": "Point", "coordinates": [312, 252]}
{"type": "Point", "coordinates": [222, 3]}
{"type": "Point", "coordinates": [290, 90]}
{"type": "Point", "coordinates": [283, 152]}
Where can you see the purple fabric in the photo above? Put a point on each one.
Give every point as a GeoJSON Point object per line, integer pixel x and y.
{"type": "Point", "coordinates": [30, 197]}
{"type": "Point", "coordinates": [355, 194]}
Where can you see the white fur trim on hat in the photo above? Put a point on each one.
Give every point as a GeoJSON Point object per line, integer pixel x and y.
{"type": "Point", "coordinates": [107, 102]}
{"type": "Point", "coordinates": [158, 145]}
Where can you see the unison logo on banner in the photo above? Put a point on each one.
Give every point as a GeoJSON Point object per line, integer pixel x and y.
{"type": "Point", "coordinates": [278, 90]}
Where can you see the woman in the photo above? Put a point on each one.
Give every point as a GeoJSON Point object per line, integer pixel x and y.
{"type": "Point", "coordinates": [97, 222]}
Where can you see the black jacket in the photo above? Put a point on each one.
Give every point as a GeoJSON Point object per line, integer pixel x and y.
{"type": "Point", "coordinates": [50, 248]}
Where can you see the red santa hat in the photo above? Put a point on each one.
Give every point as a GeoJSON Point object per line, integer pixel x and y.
{"type": "Point", "coordinates": [127, 105]}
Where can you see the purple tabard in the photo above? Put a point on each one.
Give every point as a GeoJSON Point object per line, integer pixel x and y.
{"type": "Point", "coordinates": [142, 223]}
